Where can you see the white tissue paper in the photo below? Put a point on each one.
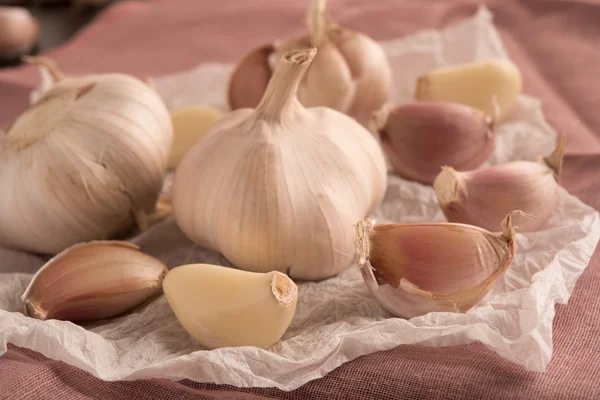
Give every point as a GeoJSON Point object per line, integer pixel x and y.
{"type": "Point", "coordinates": [336, 320]}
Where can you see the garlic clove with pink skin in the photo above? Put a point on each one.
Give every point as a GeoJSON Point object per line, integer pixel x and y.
{"type": "Point", "coordinates": [419, 138]}
{"type": "Point", "coordinates": [483, 197]}
{"type": "Point", "coordinates": [351, 72]}
{"type": "Point", "coordinates": [414, 269]}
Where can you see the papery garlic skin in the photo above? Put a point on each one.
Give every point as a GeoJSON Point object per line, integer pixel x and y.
{"type": "Point", "coordinates": [280, 187]}
{"type": "Point", "coordinates": [222, 307]}
{"type": "Point", "coordinates": [413, 269]}
{"type": "Point", "coordinates": [483, 197]}
{"type": "Point", "coordinates": [419, 138]}
{"type": "Point", "coordinates": [83, 163]}
{"type": "Point", "coordinates": [491, 86]}
{"type": "Point", "coordinates": [91, 281]}
{"type": "Point", "coordinates": [351, 72]}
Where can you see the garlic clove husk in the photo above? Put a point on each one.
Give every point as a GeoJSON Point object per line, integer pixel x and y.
{"type": "Point", "coordinates": [85, 162]}
{"type": "Point", "coordinates": [280, 187]}
{"type": "Point", "coordinates": [190, 124]}
{"type": "Point", "coordinates": [413, 269]}
{"type": "Point", "coordinates": [419, 138]}
{"type": "Point", "coordinates": [351, 72]}
{"type": "Point", "coordinates": [221, 307]}
{"type": "Point", "coordinates": [491, 86]}
{"type": "Point", "coordinates": [91, 281]}
{"type": "Point", "coordinates": [483, 197]}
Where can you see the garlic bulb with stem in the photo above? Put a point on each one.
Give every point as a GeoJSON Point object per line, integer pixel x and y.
{"type": "Point", "coordinates": [491, 86]}
{"type": "Point", "coordinates": [280, 187]}
{"type": "Point", "coordinates": [351, 72]}
{"type": "Point", "coordinates": [94, 280]}
{"type": "Point", "coordinates": [419, 138]}
{"type": "Point", "coordinates": [220, 306]}
{"type": "Point", "coordinates": [84, 162]}
{"type": "Point", "coordinates": [483, 196]}
{"type": "Point", "coordinates": [415, 269]}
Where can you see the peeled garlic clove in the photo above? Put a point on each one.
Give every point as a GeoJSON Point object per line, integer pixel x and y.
{"type": "Point", "coordinates": [483, 197]}
{"type": "Point", "coordinates": [491, 86]}
{"type": "Point", "coordinates": [19, 32]}
{"type": "Point", "coordinates": [93, 280]}
{"type": "Point", "coordinates": [351, 72]}
{"type": "Point", "coordinates": [419, 138]}
{"type": "Point", "coordinates": [189, 125]}
{"type": "Point", "coordinates": [222, 307]}
{"type": "Point", "coordinates": [413, 269]}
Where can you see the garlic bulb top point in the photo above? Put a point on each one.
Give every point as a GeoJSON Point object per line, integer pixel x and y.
{"type": "Point", "coordinates": [48, 65]}
{"type": "Point", "coordinates": [555, 160]}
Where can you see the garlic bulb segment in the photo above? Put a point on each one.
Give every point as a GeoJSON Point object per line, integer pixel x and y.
{"type": "Point", "coordinates": [491, 86]}
{"type": "Point", "coordinates": [414, 269]}
{"type": "Point", "coordinates": [419, 138]}
{"type": "Point", "coordinates": [482, 197]}
{"type": "Point", "coordinates": [280, 187]}
{"type": "Point", "coordinates": [94, 280]}
{"type": "Point", "coordinates": [351, 72]}
{"type": "Point", "coordinates": [83, 163]}
{"type": "Point", "coordinates": [189, 125]}
{"type": "Point", "coordinates": [225, 307]}
{"type": "Point", "coordinates": [19, 32]}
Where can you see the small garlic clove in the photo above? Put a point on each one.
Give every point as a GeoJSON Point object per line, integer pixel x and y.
{"type": "Point", "coordinates": [413, 269]}
{"type": "Point", "coordinates": [419, 138]}
{"type": "Point", "coordinates": [491, 86]}
{"type": "Point", "coordinates": [189, 126]}
{"type": "Point", "coordinates": [92, 281]}
{"type": "Point", "coordinates": [19, 32]}
{"type": "Point", "coordinates": [483, 197]}
{"type": "Point", "coordinates": [222, 307]}
{"type": "Point", "coordinates": [250, 78]}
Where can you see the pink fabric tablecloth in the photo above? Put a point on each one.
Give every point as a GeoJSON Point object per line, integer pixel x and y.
{"type": "Point", "coordinates": [554, 42]}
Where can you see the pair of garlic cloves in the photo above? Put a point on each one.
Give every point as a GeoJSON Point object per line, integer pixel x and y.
{"type": "Point", "coordinates": [414, 269]}
{"type": "Point", "coordinates": [482, 197]}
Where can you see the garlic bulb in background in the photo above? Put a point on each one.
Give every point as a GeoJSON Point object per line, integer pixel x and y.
{"type": "Point", "coordinates": [19, 32]}
{"type": "Point", "coordinates": [482, 197]}
{"type": "Point", "coordinates": [415, 269]}
{"type": "Point", "coordinates": [351, 72]}
{"type": "Point", "coordinates": [93, 280]}
{"type": "Point", "coordinates": [419, 138]}
{"type": "Point", "coordinates": [280, 187]}
{"type": "Point", "coordinates": [491, 86]}
{"type": "Point", "coordinates": [82, 163]}
{"type": "Point", "coordinates": [221, 307]}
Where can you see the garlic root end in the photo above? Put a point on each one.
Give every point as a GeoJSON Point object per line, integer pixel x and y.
{"type": "Point", "coordinates": [446, 186]}
{"type": "Point", "coordinates": [363, 245]}
{"type": "Point", "coordinates": [283, 288]}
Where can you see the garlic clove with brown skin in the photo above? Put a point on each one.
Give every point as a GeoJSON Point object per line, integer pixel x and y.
{"type": "Point", "coordinates": [280, 187]}
{"type": "Point", "coordinates": [482, 197]}
{"type": "Point", "coordinates": [414, 269]}
{"type": "Point", "coordinates": [351, 72]}
{"type": "Point", "coordinates": [419, 138]}
{"type": "Point", "coordinates": [91, 281]}
{"type": "Point", "coordinates": [221, 307]}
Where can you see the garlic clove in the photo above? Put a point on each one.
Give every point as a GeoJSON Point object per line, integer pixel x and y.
{"type": "Point", "coordinates": [222, 307]}
{"type": "Point", "coordinates": [491, 86]}
{"type": "Point", "coordinates": [92, 281]}
{"type": "Point", "coordinates": [413, 269]}
{"type": "Point", "coordinates": [19, 32]}
{"type": "Point", "coordinates": [419, 138]}
{"type": "Point", "coordinates": [250, 78]}
{"type": "Point", "coordinates": [190, 125]}
{"type": "Point", "coordinates": [483, 197]}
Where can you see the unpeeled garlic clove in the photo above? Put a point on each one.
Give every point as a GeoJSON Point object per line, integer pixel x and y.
{"type": "Point", "coordinates": [483, 197]}
{"type": "Point", "coordinates": [414, 269]}
{"type": "Point", "coordinates": [491, 86]}
{"type": "Point", "coordinates": [250, 78]}
{"type": "Point", "coordinates": [222, 307]}
{"type": "Point", "coordinates": [93, 280]}
{"type": "Point", "coordinates": [419, 138]}
{"type": "Point", "coordinates": [189, 126]}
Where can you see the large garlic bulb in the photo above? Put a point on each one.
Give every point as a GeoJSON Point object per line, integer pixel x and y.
{"type": "Point", "coordinates": [84, 162]}
{"type": "Point", "coordinates": [351, 73]}
{"type": "Point", "coordinates": [280, 187]}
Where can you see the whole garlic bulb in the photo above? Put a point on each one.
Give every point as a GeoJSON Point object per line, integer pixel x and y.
{"type": "Point", "coordinates": [82, 163]}
{"type": "Point", "coordinates": [351, 72]}
{"type": "Point", "coordinates": [280, 187]}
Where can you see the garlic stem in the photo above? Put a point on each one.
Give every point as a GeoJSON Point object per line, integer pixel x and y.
{"type": "Point", "coordinates": [50, 66]}
{"type": "Point", "coordinates": [318, 22]}
{"type": "Point", "coordinates": [280, 95]}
